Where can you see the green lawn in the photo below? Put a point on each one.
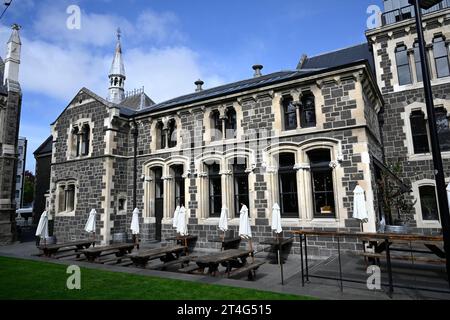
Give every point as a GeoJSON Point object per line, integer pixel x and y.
{"type": "Point", "coordinates": [29, 280]}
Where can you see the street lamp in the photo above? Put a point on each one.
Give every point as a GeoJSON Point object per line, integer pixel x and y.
{"type": "Point", "coordinates": [435, 146]}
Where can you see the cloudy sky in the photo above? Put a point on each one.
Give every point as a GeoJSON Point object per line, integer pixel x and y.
{"type": "Point", "coordinates": [168, 44]}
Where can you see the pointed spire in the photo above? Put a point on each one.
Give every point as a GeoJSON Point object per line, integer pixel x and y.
{"type": "Point", "coordinates": [117, 67]}
{"type": "Point", "coordinates": [117, 74]}
{"type": "Point", "coordinates": [12, 59]}
{"type": "Point", "coordinates": [15, 37]}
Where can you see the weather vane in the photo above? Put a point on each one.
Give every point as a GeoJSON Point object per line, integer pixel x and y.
{"type": "Point", "coordinates": [119, 33]}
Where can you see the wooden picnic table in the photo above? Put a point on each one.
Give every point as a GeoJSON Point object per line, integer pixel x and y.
{"type": "Point", "coordinates": [166, 254]}
{"type": "Point", "coordinates": [50, 250]}
{"type": "Point", "coordinates": [186, 241]}
{"type": "Point", "coordinates": [120, 250]}
{"type": "Point", "coordinates": [278, 244]}
{"type": "Point", "coordinates": [228, 243]}
{"type": "Point", "coordinates": [234, 258]}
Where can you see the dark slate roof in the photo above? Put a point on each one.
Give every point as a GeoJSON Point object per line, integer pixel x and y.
{"type": "Point", "coordinates": [338, 58]}
{"type": "Point", "coordinates": [225, 89]}
{"type": "Point", "coordinates": [134, 102]}
{"type": "Point", "coordinates": [45, 147]}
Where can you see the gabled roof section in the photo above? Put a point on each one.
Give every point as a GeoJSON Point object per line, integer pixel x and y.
{"type": "Point", "coordinates": [137, 102]}
{"type": "Point", "coordinates": [338, 57]}
{"type": "Point", "coordinates": [92, 95]}
{"type": "Point", "coordinates": [45, 147]}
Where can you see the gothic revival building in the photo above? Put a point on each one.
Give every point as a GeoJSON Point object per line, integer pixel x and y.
{"type": "Point", "coordinates": [10, 106]}
{"type": "Point", "coordinates": [303, 139]}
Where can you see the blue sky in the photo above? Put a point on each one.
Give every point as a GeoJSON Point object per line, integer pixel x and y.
{"type": "Point", "coordinates": [168, 44]}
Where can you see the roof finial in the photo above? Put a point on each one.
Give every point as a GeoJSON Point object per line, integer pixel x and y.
{"type": "Point", "coordinates": [119, 34]}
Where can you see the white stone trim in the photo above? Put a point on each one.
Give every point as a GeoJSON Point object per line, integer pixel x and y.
{"type": "Point", "coordinates": [65, 184]}
{"type": "Point", "coordinates": [435, 224]}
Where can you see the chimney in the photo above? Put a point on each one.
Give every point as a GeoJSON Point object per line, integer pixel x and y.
{"type": "Point", "coordinates": [302, 61]}
{"type": "Point", "coordinates": [199, 83]}
{"type": "Point", "coordinates": [257, 68]}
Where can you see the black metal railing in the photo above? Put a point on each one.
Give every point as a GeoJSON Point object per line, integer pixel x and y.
{"type": "Point", "coordinates": [407, 12]}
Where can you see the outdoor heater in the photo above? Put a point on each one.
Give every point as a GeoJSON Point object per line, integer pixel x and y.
{"type": "Point", "coordinates": [435, 145]}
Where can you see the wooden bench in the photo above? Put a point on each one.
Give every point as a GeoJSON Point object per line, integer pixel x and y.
{"type": "Point", "coordinates": [189, 269]}
{"type": "Point", "coordinates": [164, 266]}
{"type": "Point", "coordinates": [250, 268]}
{"type": "Point", "coordinates": [120, 249]}
{"type": "Point", "coordinates": [166, 254]}
{"type": "Point", "coordinates": [50, 250]}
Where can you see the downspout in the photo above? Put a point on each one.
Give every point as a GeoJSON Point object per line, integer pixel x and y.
{"type": "Point", "coordinates": [135, 137]}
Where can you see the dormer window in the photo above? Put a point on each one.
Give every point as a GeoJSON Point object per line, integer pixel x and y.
{"type": "Point", "coordinates": [290, 114]}
{"type": "Point", "coordinates": [403, 67]}
{"type": "Point", "coordinates": [441, 57]}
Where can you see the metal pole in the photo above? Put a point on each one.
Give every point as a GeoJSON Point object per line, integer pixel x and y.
{"type": "Point", "coordinates": [135, 136]}
{"type": "Point", "coordinates": [435, 146]}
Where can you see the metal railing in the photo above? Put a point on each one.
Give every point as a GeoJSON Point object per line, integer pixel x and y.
{"type": "Point", "coordinates": [407, 12]}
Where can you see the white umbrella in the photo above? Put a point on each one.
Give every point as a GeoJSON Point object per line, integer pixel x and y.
{"type": "Point", "coordinates": [42, 229]}
{"type": "Point", "coordinates": [135, 222]}
{"type": "Point", "coordinates": [245, 231]}
{"type": "Point", "coordinates": [182, 225]}
{"type": "Point", "coordinates": [276, 219]}
{"type": "Point", "coordinates": [175, 216]}
{"type": "Point", "coordinates": [448, 195]}
{"type": "Point", "coordinates": [359, 205]}
{"type": "Point", "coordinates": [90, 224]}
{"type": "Point", "coordinates": [223, 222]}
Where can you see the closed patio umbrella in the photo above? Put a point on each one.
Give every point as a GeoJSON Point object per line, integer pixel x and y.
{"type": "Point", "coordinates": [276, 227]}
{"type": "Point", "coordinates": [359, 206]}
{"type": "Point", "coordinates": [135, 226]}
{"type": "Point", "coordinates": [175, 217]}
{"type": "Point", "coordinates": [223, 222]}
{"type": "Point", "coordinates": [90, 224]}
{"type": "Point", "coordinates": [245, 230]}
{"type": "Point", "coordinates": [182, 225]}
{"type": "Point", "coordinates": [448, 194]}
{"type": "Point", "coordinates": [42, 229]}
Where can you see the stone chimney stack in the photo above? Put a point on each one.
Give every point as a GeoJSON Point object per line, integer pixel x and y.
{"type": "Point", "coordinates": [12, 60]}
{"type": "Point", "coordinates": [199, 83]}
{"type": "Point", "coordinates": [257, 68]}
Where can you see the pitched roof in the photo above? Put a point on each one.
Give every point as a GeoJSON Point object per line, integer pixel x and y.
{"type": "Point", "coordinates": [45, 147]}
{"type": "Point", "coordinates": [339, 57]}
{"type": "Point", "coordinates": [134, 102]}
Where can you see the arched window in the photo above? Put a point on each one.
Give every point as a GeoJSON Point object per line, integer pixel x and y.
{"type": "Point", "coordinates": [419, 132]}
{"type": "Point", "coordinates": [241, 185]}
{"type": "Point", "coordinates": [172, 133]}
{"type": "Point", "coordinates": [308, 111]}
{"type": "Point", "coordinates": [290, 114]}
{"type": "Point", "coordinates": [179, 186]}
{"type": "Point", "coordinates": [403, 68]}
{"type": "Point", "coordinates": [158, 198]}
{"type": "Point", "coordinates": [322, 183]}
{"type": "Point", "coordinates": [441, 57]}
{"type": "Point", "coordinates": [428, 203]}
{"type": "Point", "coordinates": [215, 190]}
{"type": "Point", "coordinates": [443, 128]}
{"type": "Point", "coordinates": [287, 177]}
{"type": "Point", "coordinates": [160, 135]}
{"type": "Point", "coordinates": [116, 81]}
{"type": "Point", "coordinates": [216, 126]}
{"type": "Point", "coordinates": [76, 142]}
{"type": "Point", "coordinates": [85, 140]}
{"type": "Point", "coordinates": [230, 124]}
{"type": "Point", "coordinates": [418, 62]}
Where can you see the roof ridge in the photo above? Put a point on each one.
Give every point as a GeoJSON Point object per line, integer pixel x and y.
{"type": "Point", "coordinates": [337, 50]}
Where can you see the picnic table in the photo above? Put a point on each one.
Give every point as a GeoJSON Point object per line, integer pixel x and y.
{"type": "Point", "coordinates": [120, 250]}
{"type": "Point", "coordinates": [166, 254]}
{"type": "Point", "coordinates": [186, 241]}
{"type": "Point", "coordinates": [278, 244]}
{"type": "Point", "coordinates": [77, 246]}
{"type": "Point", "coordinates": [228, 243]}
{"type": "Point", "coordinates": [230, 259]}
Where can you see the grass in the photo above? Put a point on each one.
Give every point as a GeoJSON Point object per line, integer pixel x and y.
{"type": "Point", "coordinates": [33, 280]}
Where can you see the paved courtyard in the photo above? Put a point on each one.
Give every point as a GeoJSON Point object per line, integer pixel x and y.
{"type": "Point", "coordinates": [269, 279]}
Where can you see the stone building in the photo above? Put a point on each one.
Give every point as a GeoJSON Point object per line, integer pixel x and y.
{"type": "Point", "coordinates": [303, 139]}
{"type": "Point", "coordinates": [399, 77]}
{"type": "Point", "coordinates": [10, 107]}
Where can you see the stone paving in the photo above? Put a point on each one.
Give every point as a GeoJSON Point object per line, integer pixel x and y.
{"type": "Point", "coordinates": [268, 277]}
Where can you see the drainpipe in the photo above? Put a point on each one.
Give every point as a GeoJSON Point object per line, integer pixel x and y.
{"type": "Point", "coordinates": [135, 137]}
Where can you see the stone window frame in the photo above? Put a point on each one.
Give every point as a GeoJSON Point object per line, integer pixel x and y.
{"type": "Point", "coordinates": [426, 224]}
{"type": "Point", "coordinates": [296, 94]}
{"type": "Point", "coordinates": [122, 196]}
{"type": "Point", "coordinates": [202, 197]}
{"type": "Point", "coordinates": [65, 184]}
{"type": "Point", "coordinates": [434, 61]}
{"type": "Point", "coordinates": [169, 196]}
{"type": "Point", "coordinates": [306, 216]}
{"type": "Point", "coordinates": [155, 145]}
{"type": "Point", "coordinates": [72, 143]}
{"type": "Point", "coordinates": [209, 127]}
{"type": "Point", "coordinates": [402, 48]}
{"type": "Point", "coordinates": [420, 106]}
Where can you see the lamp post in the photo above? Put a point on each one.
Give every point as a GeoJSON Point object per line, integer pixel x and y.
{"type": "Point", "coordinates": [435, 146]}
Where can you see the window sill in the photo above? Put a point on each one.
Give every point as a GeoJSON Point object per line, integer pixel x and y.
{"type": "Point", "coordinates": [301, 130]}
{"type": "Point", "coordinates": [66, 214]}
{"type": "Point", "coordinates": [427, 156]}
{"type": "Point", "coordinates": [431, 224]}
{"type": "Point", "coordinates": [419, 85]}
